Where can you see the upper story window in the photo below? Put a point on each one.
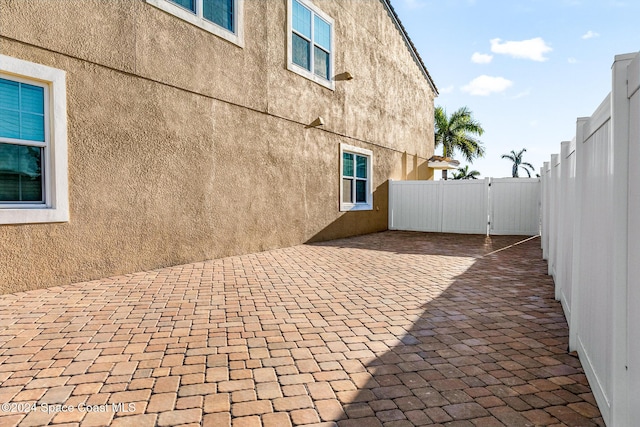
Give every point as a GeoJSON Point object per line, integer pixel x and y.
{"type": "Point", "coordinates": [33, 143]}
{"type": "Point", "coordinates": [356, 168]}
{"type": "Point", "coordinates": [220, 17]}
{"type": "Point", "coordinates": [311, 44]}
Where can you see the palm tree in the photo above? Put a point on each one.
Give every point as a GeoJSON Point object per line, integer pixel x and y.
{"type": "Point", "coordinates": [516, 158]}
{"type": "Point", "coordinates": [465, 173]}
{"type": "Point", "coordinates": [457, 132]}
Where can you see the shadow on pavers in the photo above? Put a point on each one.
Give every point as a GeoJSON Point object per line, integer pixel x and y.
{"type": "Point", "coordinates": [489, 350]}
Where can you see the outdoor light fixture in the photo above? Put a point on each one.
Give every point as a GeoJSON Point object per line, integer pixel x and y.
{"type": "Point", "coordinates": [317, 122]}
{"type": "Point", "coordinates": [343, 76]}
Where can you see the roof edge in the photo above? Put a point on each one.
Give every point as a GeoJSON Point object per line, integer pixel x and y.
{"type": "Point", "coordinates": [410, 45]}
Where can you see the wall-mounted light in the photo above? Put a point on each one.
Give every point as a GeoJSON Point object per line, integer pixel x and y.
{"type": "Point", "coordinates": [343, 76]}
{"type": "Point", "coordinates": [317, 122]}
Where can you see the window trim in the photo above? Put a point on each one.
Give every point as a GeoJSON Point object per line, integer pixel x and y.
{"type": "Point", "coordinates": [55, 164]}
{"type": "Point", "coordinates": [291, 66]}
{"type": "Point", "coordinates": [368, 205]}
{"type": "Point", "coordinates": [236, 37]}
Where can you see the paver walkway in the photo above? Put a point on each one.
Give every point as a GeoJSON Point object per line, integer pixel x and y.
{"type": "Point", "coordinates": [393, 329]}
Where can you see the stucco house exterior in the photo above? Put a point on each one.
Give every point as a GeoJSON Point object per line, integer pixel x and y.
{"type": "Point", "coordinates": [137, 134]}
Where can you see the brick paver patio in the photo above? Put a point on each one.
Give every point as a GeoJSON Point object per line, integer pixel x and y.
{"type": "Point", "coordinates": [393, 329]}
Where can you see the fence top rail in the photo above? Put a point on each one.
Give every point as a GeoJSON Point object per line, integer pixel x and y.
{"type": "Point", "coordinates": [601, 116]}
{"type": "Point", "coordinates": [521, 180]}
{"type": "Point", "coordinates": [634, 76]}
{"type": "Point", "coordinates": [480, 181]}
{"type": "Point", "coordinates": [441, 182]}
{"type": "Point", "coordinates": [568, 148]}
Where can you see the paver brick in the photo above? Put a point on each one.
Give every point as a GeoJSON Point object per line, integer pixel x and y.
{"type": "Point", "coordinates": [329, 410]}
{"type": "Point", "coordinates": [189, 402]}
{"type": "Point", "coordinates": [130, 396]}
{"type": "Point", "coordinates": [251, 421]}
{"type": "Point", "coordinates": [88, 378]}
{"type": "Point", "coordinates": [465, 411]}
{"type": "Point", "coordinates": [174, 418]}
{"type": "Point", "coordinates": [304, 417]}
{"type": "Point", "coordinates": [218, 419]}
{"type": "Point", "coordinates": [268, 390]}
{"type": "Point", "coordinates": [97, 419]}
{"type": "Point", "coordinates": [196, 389]}
{"type": "Point", "coordinates": [276, 419]}
{"type": "Point", "coordinates": [144, 420]}
{"type": "Point", "coordinates": [294, 390]}
{"type": "Point", "coordinates": [161, 402]}
{"type": "Point", "coordinates": [292, 403]}
{"type": "Point", "coordinates": [227, 386]}
{"type": "Point", "coordinates": [166, 384]}
{"type": "Point", "coordinates": [87, 389]}
{"type": "Point", "coordinates": [217, 403]}
{"type": "Point", "coordinates": [255, 407]}
{"type": "Point", "coordinates": [321, 390]}
{"type": "Point", "coordinates": [56, 395]}
{"type": "Point", "coordinates": [264, 375]}
{"type": "Point", "coordinates": [36, 418]}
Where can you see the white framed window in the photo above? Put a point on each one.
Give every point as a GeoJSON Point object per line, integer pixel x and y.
{"type": "Point", "coordinates": [220, 17]}
{"type": "Point", "coordinates": [310, 50]}
{"type": "Point", "coordinates": [33, 143]}
{"type": "Point", "coordinates": [356, 172]}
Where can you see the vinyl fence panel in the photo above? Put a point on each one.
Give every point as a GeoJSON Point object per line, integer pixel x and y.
{"type": "Point", "coordinates": [595, 252]}
{"type": "Point", "coordinates": [415, 206]}
{"type": "Point", "coordinates": [464, 208]}
{"type": "Point", "coordinates": [545, 178]}
{"type": "Point", "coordinates": [515, 206]}
{"type": "Point", "coordinates": [554, 212]}
{"type": "Point", "coordinates": [631, 375]}
{"type": "Point", "coordinates": [566, 209]}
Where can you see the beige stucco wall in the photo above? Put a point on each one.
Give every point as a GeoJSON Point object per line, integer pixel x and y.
{"type": "Point", "coordinates": [184, 147]}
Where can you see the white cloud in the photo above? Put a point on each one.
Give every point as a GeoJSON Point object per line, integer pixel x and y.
{"type": "Point", "coordinates": [590, 35]}
{"type": "Point", "coordinates": [481, 58]}
{"type": "Point", "coordinates": [522, 94]}
{"type": "Point", "coordinates": [572, 60]}
{"type": "Point", "coordinates": [447, 89]}
{"type": "Point", "coordinates": [533, 49]}
{"type": "Point", "coordinates": [486, 85]}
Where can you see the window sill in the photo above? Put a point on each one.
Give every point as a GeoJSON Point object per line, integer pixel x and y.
{"type": "Point", "coordinates": [329, 84]}
{"type": "Point", "coordinates": [175, 10]}
{"type": "Point", "coordinates": [349, 207]}
{"type": "Point", "coordinates": [33, 215]}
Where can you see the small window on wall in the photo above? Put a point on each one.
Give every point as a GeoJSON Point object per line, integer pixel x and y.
{"type": "Point", "coordinates": [220, 17]}
{"type": "Point", "coordinates": [21, 119]}
{"type": "Point", "coordinates": [356, 188]}
{"type": "Point", "coordinates": [33, 143]}
{"type": "Point", "coordinates": [310, 49]}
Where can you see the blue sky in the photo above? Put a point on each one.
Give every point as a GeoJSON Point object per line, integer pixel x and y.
{"type": "Point", "coordinates": [527, 69]}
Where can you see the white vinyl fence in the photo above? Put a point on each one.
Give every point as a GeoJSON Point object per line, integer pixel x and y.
{"type": "Point", "coordinates": [489, 206]}
{"type": "Point", "coordinates": [591, 239]}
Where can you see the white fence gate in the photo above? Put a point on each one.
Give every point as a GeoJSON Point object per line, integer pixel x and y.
{"type": "Point", "coordinates": [591, 239]}
{"type": "Point", "coordinates": [489, 206]}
